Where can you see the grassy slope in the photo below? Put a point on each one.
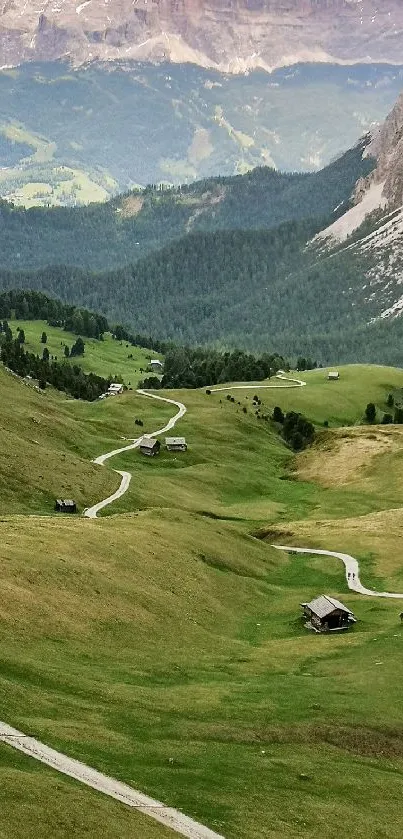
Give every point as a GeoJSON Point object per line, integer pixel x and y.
{"type": "Point", "coordinates": [168, 634]}
{"type": "Point", "coordinates": [71, 809]}
{"type": "Point", "coordinates": [104, 358]}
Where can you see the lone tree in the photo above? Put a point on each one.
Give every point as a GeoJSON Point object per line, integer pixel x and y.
{"type": "Point", "coordinates": [45, 354]}
{"type": "Point", "coordinates": [77, 348]}
{"type": "Point", "coordinates": [21, 336]}
{"type": "Point", "coordinates": [390, 401]}
{"type": "Point", "coordinates": [44, 338]}
{"type": "Point", "coordinates": [399, 416]}
{"type": "Point", "coordinates": [387, 419]}
{"type": "Point", "coordinates": [66, 352]}
{"type": "Point", "coordinates": [370, 413]}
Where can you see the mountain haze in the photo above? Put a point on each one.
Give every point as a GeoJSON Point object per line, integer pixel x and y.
{"type": "Point", "coordinates": [228, 36]}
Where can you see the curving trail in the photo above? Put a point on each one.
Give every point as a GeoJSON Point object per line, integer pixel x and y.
{"type": "Point", "coordinates": [92, 512]}
{"type": "Point", "coordinates": [351, 566]}
{"type": "Point", "coordinates": [293, 383]}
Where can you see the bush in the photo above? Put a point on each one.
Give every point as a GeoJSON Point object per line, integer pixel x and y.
{"type": "Point", "coordinates": [278, 415]}
{"type": "Point", "coordinates": [387, 419]}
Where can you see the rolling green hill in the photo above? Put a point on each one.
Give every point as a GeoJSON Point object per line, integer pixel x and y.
{"type": "Point", "coordinates": [162, 643]}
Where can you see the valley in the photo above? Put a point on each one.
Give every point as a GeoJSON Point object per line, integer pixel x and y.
{"type": "Point", "coordinates": [74, 136]}
{"type": "Point", "coordinates": [201, 636]}
{"type": "Point", "coordinates": [92, 654]}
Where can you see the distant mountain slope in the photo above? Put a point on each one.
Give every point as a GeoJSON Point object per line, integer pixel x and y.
{"type": "Point", "coordinates": [104, 236]}
{"type": "Point", "coordinates": [370, 232]}
{"type": "Point", "coordinates": [71, 137]}
{"type": "Point", "coordinates": [232, 37]}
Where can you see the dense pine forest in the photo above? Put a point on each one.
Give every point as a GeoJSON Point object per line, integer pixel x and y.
{"type": "Point", "coordinates": [105, 236]}
{"type": "Point", "coordinates": [225, 263]}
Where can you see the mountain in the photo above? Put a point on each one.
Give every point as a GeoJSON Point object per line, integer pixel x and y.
{"type": "Point", "coordinates": [128, 228]}
{"type": "Point", "coordinates": [229, 36]}
{"type": "Point", "coordinates": [257, 260]}
{"type": "Point", "coordinates": [72, 137]}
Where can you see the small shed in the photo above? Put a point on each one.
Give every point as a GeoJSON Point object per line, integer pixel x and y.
{"type": "Point", "coordinates": [156, 366]}
{"type": "Point", "coordinates": [325, 614]}
{"type": "Point", "coordinates": [115, 388]}
{"type": "Point", "coordinates": [66, 505]}
{"type": "Point", "coordinates": [149, 446]}
{"type": "Point", "coordinates": [176, 444]}
{"type": "Point", "coordinates": [333, 376]}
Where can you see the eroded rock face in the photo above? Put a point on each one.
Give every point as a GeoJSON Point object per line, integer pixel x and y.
{"type": "Point", "coordinates": [230, 35]}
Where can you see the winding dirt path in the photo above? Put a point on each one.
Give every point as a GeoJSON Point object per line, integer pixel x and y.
{"type": "Point", "coordinates": [167, 816]}
{"type": "Point", "coordinates": [351, 566]}
{"type": "Point", "coordinates": [92, 512]}
{"type": "Point", "coordinates": [292, 383]}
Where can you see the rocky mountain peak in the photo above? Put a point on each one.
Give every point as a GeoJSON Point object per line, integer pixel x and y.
{"type": "Point", "coordinates": [229, 35]}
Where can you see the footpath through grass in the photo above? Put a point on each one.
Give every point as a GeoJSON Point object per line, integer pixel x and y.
{"type": "Point", "coordinates": [165, 646]}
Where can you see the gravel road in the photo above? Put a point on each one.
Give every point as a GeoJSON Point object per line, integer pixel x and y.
{"type": "Point", "coordinates": [351, 566]}
{"type": "Point", "coordinates": [178, 822]}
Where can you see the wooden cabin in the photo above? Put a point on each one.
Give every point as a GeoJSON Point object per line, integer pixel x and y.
{"type": "Point", "coordinates": [176, 444]}
{"type": "Point", "coordinates": [333, 376]}
{"type": "Point", "coordinates": [65, 506]}
{"type": "Point", "coordinates": [156, 366]}
{"type": "Point", "coordinates": [115, 389]}
{"type": "Point", "coordinates": [325, 614]}
{"type": "Point", "coordinates": [149, 446]}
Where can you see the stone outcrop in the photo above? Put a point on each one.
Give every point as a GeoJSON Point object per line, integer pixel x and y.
{"type": "Point", "coordinates": [229, 35]}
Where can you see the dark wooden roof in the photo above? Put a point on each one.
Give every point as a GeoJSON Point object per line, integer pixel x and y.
{"type": "Point", "coordinates": [324, 605]}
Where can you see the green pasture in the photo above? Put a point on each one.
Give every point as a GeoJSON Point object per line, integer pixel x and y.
{"type": "Point", "coordinates": [35, 801]}
{"type": "Point", "coordinates": [105, 358]}
{"type": "Point", "coordinates": [167, 650]}
{"type": "Point", "coordinates": [163, 643]}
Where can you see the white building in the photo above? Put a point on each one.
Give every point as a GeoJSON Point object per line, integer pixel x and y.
{"type": "Point", "coordinates": [115, 388]}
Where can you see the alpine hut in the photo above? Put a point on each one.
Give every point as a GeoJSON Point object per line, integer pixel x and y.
{"type": "Point", "coordinates": [333, 376]}
{"type": "Point", "coordinates": [325, 614]}
{"type": "Point", "coordinates": [66, 505]}
{"type": "Point", "coordinates": [176, 444]}
{"type": "Point", "coordinates": [149, 446]}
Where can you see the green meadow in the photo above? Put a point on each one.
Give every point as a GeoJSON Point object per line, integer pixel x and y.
{"type": "Point", "coordinates": [163, 644]}
{"type": "Point", "coordinates": [105, 358]}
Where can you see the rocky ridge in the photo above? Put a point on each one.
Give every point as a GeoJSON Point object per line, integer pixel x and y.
{"type": "Point", "coordinates": [228, 36]}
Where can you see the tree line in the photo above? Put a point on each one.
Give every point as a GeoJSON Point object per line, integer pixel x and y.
{"type": "Point", "coordinates": [187, 367]}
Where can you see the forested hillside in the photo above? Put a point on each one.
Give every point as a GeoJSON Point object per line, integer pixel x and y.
{"type": "Point", "coordinates": [258, 290]}
{"type": "Point", "coordinates": [106, 236]}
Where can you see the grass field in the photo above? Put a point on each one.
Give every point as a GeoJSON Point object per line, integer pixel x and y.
{"type": "Point", "coordinates": [162, 643]}
{"type": "Point", "coordinates": [105, 358]}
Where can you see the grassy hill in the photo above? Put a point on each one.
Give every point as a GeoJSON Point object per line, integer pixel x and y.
{"type": "Point", "coordinates": [105, 358]}
{"type": "Point", "coordinates": [162, 643]}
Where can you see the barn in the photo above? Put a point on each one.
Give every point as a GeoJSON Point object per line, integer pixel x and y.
{"type": "Point", "coordinates": [149, 446]}
{"type": "Point", "coordinates": [66, 505]}
{"type": "Point", "coordinates": [176, 444]}
{"type": "Point", "coordinates": [326, 614]}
